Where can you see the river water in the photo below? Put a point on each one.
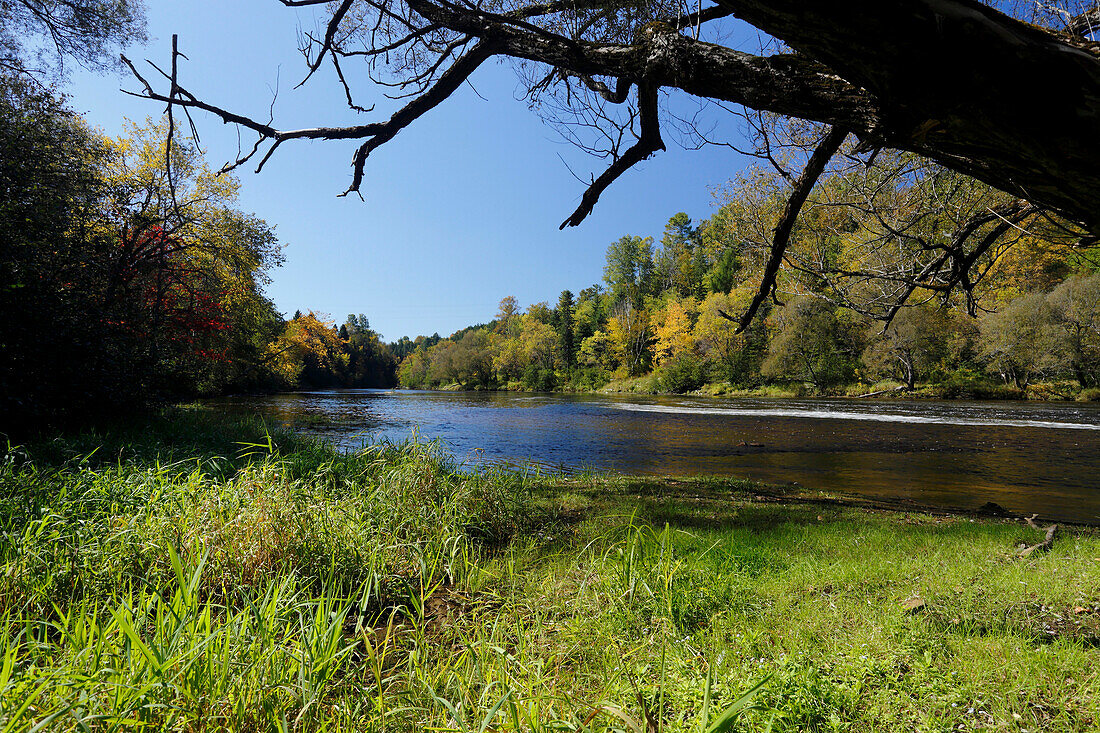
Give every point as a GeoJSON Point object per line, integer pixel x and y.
{"type": "Point", "coordinates": [1027, 457]}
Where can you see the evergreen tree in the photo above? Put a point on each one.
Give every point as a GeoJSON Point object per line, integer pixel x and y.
{"type": "Point", "coordinates": [564, 323]}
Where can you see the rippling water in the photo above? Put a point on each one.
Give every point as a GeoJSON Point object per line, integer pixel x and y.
{"type": "Point", "coordinates": [1027, 457]}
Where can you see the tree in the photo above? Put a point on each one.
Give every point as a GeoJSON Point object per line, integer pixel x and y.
{"type": "Point", "coordinates": [371, 363]}
{"type": "Point", "coordinates": [1018, 341]}
{"type": "Point", "coordinates": [628, 328]}
{"type": "Point", "coordinates": [934, 77]}
{"type": "Point", "coordinates": [563, 318]}
{"type": "Point", "coordinates": [589, 314]}
{"type": "Point", "coordinates": [723, 278]}
{"type": "Point", "coordinates": [309, 353]}
{"type": "Point", "coordinates": [629, 268]}
{"type": "Point", "coordinates": [59, 350]}
{"type": "Point", "coordinates": [815, 343]}
{"type": "Point", "coordinates": [541, 312]}
{"type": "Point", "coordinates": [680, 263]}
{"type": "Point", "coordinates": [36, 36]}
{"type": "Point", "coordinates": [188, 270]}
{"type": "Point", "coordinates": [413, 371]}
{"type": "Point", "coordinates": [719, 338]}
{"type": "Point", "coordinates": [597, 351]}
{"type": "Point", "coordinates": [1075, 307]}
{"type": "Point", "coordinates": [913, 344]}
{"type": "Point", "coordinates": [509, 308]}
{"type": "Point", "coordinates": [472, 358]}
{"type": "Point", "coordinates": [673, 331]}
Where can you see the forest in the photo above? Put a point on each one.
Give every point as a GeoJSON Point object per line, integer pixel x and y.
{"type": "Point", "coordinates": [845, 317]}
{"type": "Point", "coordinates": [921, 219]}
{"type": "Point", "coordinates": [150, 287]}
{"type": "Point", "coordinates": [125, 285]}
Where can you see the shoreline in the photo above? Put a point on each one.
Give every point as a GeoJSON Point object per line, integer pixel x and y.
{"type": "Point", "coordinates": [722, 391]}
{"type": "Point", "coordinates": [386, 590]}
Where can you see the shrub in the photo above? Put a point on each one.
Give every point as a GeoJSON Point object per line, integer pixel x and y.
{"type": "Point", "coordinates": [683, 374]}
{"type": "Point", "coordinates": [1091, 394]}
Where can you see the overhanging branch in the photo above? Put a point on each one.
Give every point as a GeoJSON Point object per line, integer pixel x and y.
{"type": "Point", "coordinates": [805, 182]}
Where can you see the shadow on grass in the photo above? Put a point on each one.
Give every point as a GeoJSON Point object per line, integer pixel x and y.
{"type": "Point", "coordinates": [189, 434]}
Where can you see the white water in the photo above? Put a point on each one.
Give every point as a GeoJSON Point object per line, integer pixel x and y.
{"type": "Point", "coordinates": [820, 414]}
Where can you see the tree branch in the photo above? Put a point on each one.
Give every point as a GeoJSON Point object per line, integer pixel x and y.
{"type": "Point", "coordinates": [805, 182]}
{"type": "Point", "coordinates": [649, 142]}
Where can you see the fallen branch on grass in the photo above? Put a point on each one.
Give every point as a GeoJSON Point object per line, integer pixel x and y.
{"type": "Point", "coordinates": [1047, 542]}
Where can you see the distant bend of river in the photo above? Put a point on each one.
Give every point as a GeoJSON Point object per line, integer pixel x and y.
{"type": "Point", "coordinates": [1027, 457]}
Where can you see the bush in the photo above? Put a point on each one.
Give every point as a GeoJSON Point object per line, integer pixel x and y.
{"type": "Point", "coordinates": [1052, 391]}
{"type": "Point", "coordinates": [683, 374]}
{"type": "Point", "coordinates": [539, 380]}
{"type": "Point", "coordinates": [587, 379]}
{"type": "Point", "coordinates": [1091, 394]}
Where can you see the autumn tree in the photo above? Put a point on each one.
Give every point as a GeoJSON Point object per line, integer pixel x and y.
{"type": "Point", "coordinates": [673, 330]}
{"type": "Point", "coordinates": [935, 78]}
{"type": "Point", "coordinates": [506, 311]}
{"type": "Point", "coordinates": [628, 329]}
{"type": "Point", "coordinates": [309, 353]}
{"type": "Point", "coordinates": [736, 354]}
{"type": "Point", "coordinates": [189, 267]}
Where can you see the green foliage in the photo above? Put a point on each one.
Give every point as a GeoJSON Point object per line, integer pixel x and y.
{"type": "Point", "coordinates": [684, 373]}
{"type": "Point", "coordinates": [38, 38]}
{"type": "Point", "coordinates": [724, 277]}
{"type": "Point", "coordinates": [192, 573]}
{"type": "Point", "coordinates": [629, 269]}
{"type": "Point", "coordinates": [564, 324]}
{"type": "Point", "coordinates": [815, 343]}
{"type": "Point", "coordinates": [539, 380]}
{"type": "Point", "coordinates": [1017, 341]}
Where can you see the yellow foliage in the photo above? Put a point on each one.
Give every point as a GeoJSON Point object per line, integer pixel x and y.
{"type": "Point", "coordinates": [673, 331]}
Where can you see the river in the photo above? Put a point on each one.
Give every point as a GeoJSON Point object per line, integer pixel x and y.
{"type": "Point", "coordinates": [1027, 457]}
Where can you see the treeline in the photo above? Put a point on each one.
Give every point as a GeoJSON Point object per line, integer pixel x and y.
{"type": "Point", "coordinates": [664, 320]}
{"type": "Point", "coordinates": [125, 280]}
{"type": "Point", "coordinates": [312, 352]}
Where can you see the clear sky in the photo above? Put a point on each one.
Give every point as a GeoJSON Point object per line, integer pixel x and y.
{"type": "Point", "coordinates": [461, 209]}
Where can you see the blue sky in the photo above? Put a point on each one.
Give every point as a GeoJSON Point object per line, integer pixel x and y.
{"type": "Point", "coordinates": [461, 209]}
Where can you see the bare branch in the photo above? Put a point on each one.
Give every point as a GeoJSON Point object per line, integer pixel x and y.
{"type": "Point", "coordinates": [805, 182]}
{"type": "Point", "coordinates": [649, 142]}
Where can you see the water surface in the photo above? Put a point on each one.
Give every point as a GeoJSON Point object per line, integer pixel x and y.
{"type": "Point", "coordinates": [1027, 457]}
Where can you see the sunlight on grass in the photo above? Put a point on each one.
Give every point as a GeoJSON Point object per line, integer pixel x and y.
{"type": "Point", "coordinates": [205, 575]}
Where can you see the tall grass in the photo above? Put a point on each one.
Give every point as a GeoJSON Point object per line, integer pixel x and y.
{"type": "Point", "coordinates": [200, 574]}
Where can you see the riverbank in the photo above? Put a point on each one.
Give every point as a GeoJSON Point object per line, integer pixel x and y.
{"type": "Point", "coordinates": [194, 573]}
{"type": "Point", "coordinates": [970, 390]}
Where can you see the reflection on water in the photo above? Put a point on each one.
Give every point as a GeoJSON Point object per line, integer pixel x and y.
{"type": "Point", "coordinates": [1026, 457]}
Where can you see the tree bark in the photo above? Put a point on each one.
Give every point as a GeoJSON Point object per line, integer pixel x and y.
{"type": "Point", "coordinates": [1009, 103]}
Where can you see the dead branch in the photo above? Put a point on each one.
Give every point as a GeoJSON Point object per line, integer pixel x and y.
{"type": "Point", "coordinates": [649, 142]}
{"type": "Point", "coordinates": [1045, 545]}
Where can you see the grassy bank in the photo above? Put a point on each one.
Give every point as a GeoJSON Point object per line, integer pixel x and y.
{"type": "Point", "coordinates": [195, 574]}
{"type": "Point", "coordinates": [962, 389]}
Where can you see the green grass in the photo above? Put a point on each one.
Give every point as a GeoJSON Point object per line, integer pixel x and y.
{"type": "Point", "coordinates": [193, 573]}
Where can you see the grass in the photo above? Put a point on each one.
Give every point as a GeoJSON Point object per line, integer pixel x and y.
{"type": "Point", "coordinates": [194, 574]}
